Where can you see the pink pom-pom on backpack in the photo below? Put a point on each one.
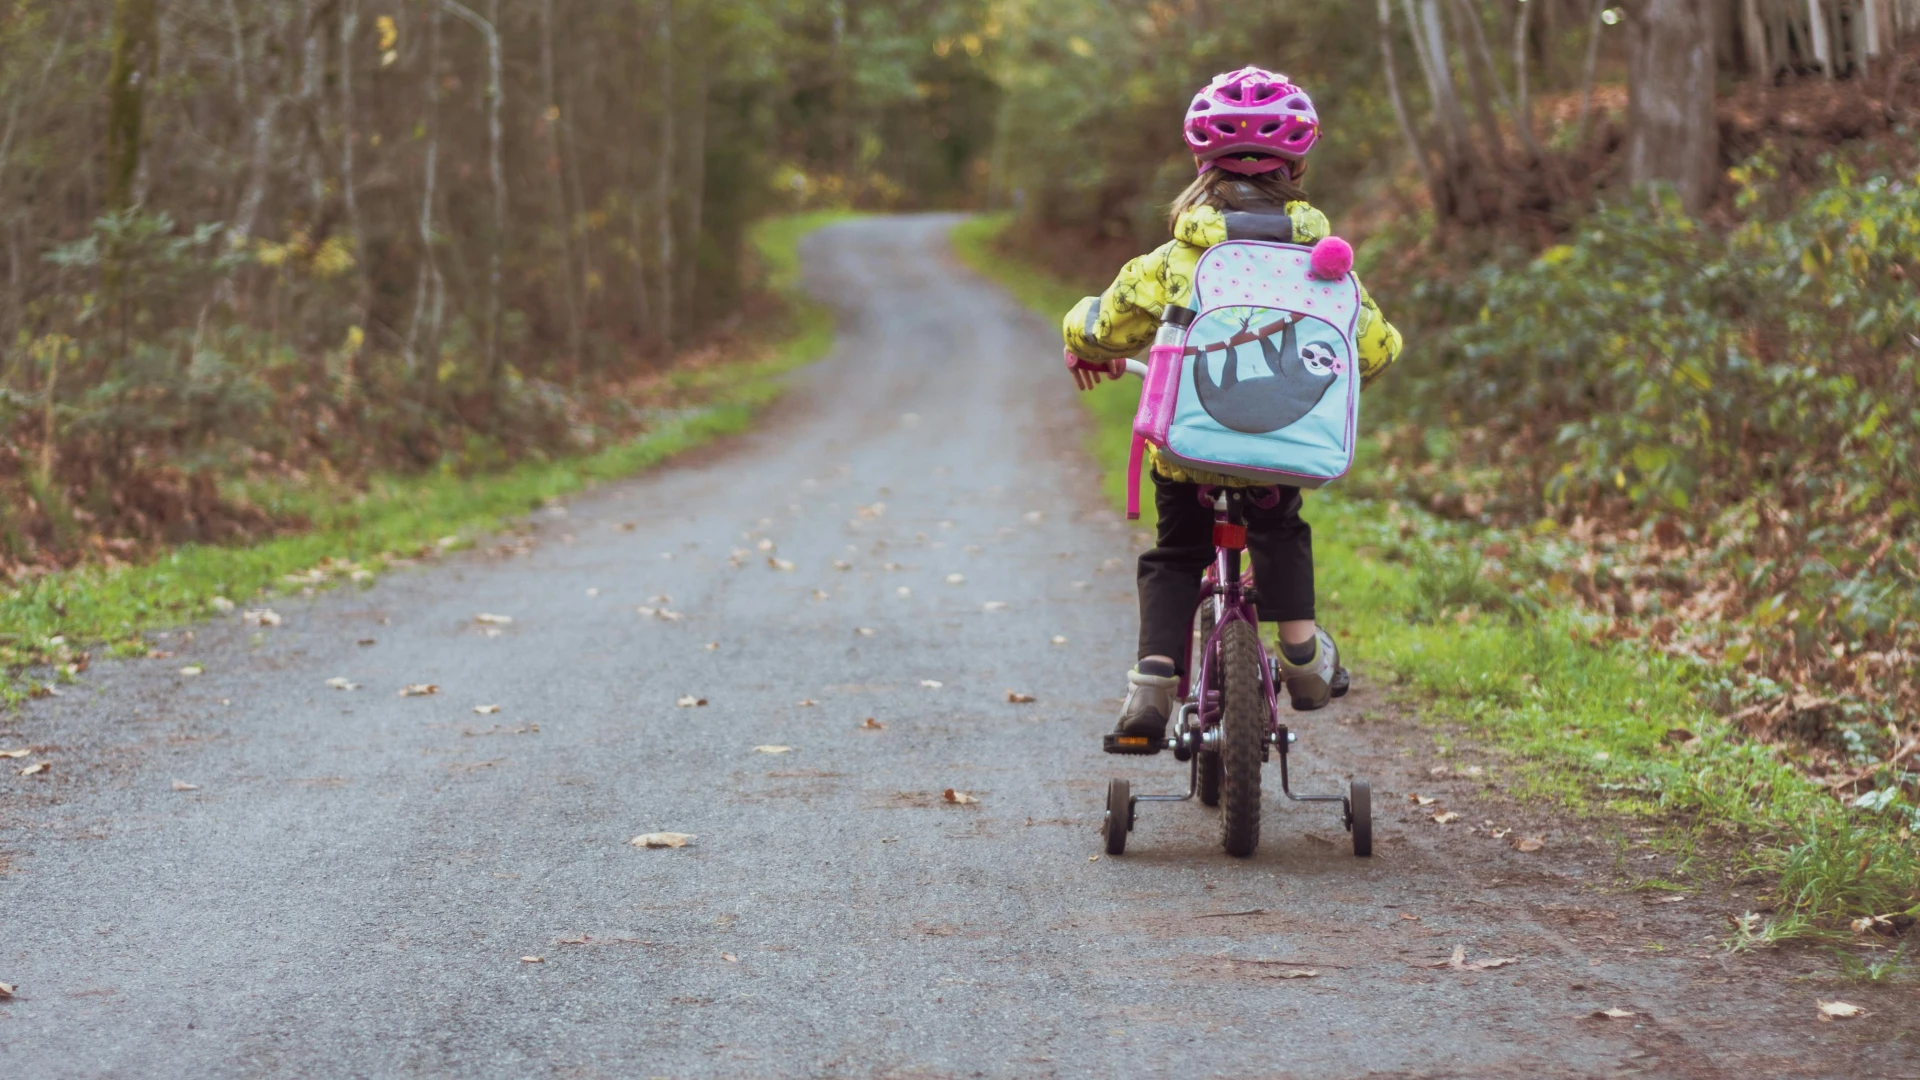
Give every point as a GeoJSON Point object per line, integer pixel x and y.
{"type": "Point", "coordinates": [1332, 259]}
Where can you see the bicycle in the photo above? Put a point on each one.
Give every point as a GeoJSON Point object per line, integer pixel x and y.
{"type": "Point", "coordinates": [1231, 725]}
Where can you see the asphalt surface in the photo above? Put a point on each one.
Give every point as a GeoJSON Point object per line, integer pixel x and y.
{"type": "Point", "coordinates": [356, 881]}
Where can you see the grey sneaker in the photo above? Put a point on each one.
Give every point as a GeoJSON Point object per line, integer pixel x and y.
{"type": "Point", "coordinates": [1312, 684]}
{"type": "Point", "coordinates": [1151, 697]}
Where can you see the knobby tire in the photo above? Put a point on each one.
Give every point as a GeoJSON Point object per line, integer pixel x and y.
{"type": "Point", "coordinates": [1243, 732]}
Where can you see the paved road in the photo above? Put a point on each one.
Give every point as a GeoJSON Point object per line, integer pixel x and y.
{"type": "Point", "coordinates": [352, 885]}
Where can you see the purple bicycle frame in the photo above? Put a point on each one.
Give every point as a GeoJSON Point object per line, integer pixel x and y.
{"type": "Point", "coordinates": [1221, 586]}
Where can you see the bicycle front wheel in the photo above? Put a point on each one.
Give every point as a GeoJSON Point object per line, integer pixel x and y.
{"type": "Point", "coordinates": [1243, 733]}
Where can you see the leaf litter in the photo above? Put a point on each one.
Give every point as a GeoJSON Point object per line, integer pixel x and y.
{"type": "Point", "coordinates": [1459, 962]}
{"type": "Point", "coordinates": [662, 840]}
{"type": "Point", "coordinates": [773, 749]}
{"type": "Point", "coordinates": [690, 702]}
{"type": "Point", "coordinates": [419, 690]}
{"type": "Point", "coordinates": [341, 682]}
{"type": "Point", "coordinates": [1840, 1010]}
{"type": "Point", "coordinates": [958, 798]}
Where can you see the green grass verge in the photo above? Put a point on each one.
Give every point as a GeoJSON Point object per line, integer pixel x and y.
{"type": "Point", "coordinates": [49, 620]}
{"type": "Point", "coordinates": [1594, 726]}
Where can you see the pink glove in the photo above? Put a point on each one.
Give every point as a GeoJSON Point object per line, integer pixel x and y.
{"type": "Point", "coordinates": [1087, 373]}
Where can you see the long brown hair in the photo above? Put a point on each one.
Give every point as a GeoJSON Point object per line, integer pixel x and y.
{"type": "Point", "coordinates": [1224, 190]}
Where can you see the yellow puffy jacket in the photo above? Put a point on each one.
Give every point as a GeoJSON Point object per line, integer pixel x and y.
{"type": "Point", "coordinates": [1123, 320]}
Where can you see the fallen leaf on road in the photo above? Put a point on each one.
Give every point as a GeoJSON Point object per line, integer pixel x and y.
{"type": "Point", "coordinates": [1613, 1014]}
{"type": "Point", "coordinates": [182, 785]}
{"type": "Point", "coordinates": [870, 724]}
{"type": "Point", "coordinates": [1840, 1010]}
{"type": "Point", "coordinates": [956, 579]}
{"type": "Point", "coordinates": [367, 641]}
{"type": "Point", "coordinates": [712, 646]}
{"type": "Point", "coordinates": [15, 753]}
{"type": "Point", "coordinates": [6, 991]}
{"type": "Point", "coordinates": [1033, 515]}
{"type": "Point", "coordinates": [591, 593]}
{"type": "Point", "coordinates": [533, 959]}
{"type": "Point", "coordinates": [932, 684]}
{"type": "Point", "coordinates": [486, 710]}
{"type": "Point", "coordinates": [822, 594]}
{"type": "Point", "coordinates": [662, 840]}
{"type": "Point", "coordinates": [1438, 771]}
{"type": "Point", "coordinates": [1444, 817]}
{"type": "Point", "coordinates": [668, 616]}
{"type": "Point", "coordinates": [1295, 973]}
{"type": "Point", "coordinates": [1059, 639]}
{"type": "Point", "coordinates": [904, 591]}
{"type": "Point", "coordinates": [765, 545]}
{"type": "Point", "coordinates": [994, 605]}
{"type": "Point", "coordinates": [341, 682]}
{"type": "Point", "coordinates": [36, 768]}
{"type": "Point", "coordinates": [220, 604]}
{"type": "Point", "coordinates": [865, 631]}
{"type": "Point", "coordinates": [1459, 962]}
{"type": "Point", "coordinates": [192, 669]}
{"type": "Point", "coordinates": [262, 617]}
{"type": "Point", "coordinates": [958, 798]}
{"type": "Point", "coordinates": [1423, 800]}
{"type": "Point", "coordinates": [1017, 698]}
{"type": "Point", "coordinates": [493, 620]}
{"type": "Point", "coordinates": [782, 565]}
{"type": "Point", "coordinates": [1529, 843]}
{"type": "Point", "coordinates": [889, 566]}
{"type": "Point", "coordinates": [806, 703]}
{"type": "Point", "coordinates": [581, 940]}
{"type": "Point", "coordinates": [842, 564]}
{"type": "Point", "coordinates": [425, 689]}
{"type": "Point", "coordinates": [690, 702]}
{"type": "Point", "coordinates": [159, 654]}
{"type": "Point", "coordinates": [772, 749]}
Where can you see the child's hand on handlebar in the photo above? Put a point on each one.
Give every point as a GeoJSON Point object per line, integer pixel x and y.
{"type": "Point", "coordinates": [1087, 374]}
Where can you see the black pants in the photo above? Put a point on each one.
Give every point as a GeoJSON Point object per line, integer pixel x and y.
{"type": "Point", "coordinates": [1281, 545]}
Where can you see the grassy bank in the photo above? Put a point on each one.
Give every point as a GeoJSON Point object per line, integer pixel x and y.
{"type": "Point", "coordinates": [48, 624]}
{"type": "Point", "coordinates": [1572, 716]}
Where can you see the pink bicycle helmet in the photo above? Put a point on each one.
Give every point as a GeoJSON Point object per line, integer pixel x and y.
{"type": "Point", "coordinates": [1251, 121]}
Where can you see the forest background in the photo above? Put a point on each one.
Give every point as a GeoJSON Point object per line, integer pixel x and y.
{"type": "Point", "coordinates": [1655, 261]}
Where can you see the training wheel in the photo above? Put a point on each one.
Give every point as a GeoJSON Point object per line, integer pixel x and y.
{"type": "Point", "coordinates": [1360, 817]}
{"type": "Point", "coordinates": [1119, 816]}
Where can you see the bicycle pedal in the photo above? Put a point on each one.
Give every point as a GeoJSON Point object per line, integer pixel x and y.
{"type": "Point", "coordinates": [1115, 743]}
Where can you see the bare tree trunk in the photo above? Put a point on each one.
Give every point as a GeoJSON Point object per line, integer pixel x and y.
{"type": "Point", "coordinates": [1467, 29]}
{"type": "Point", "coordinates": [1523, 112]}
{"type": "Point", "coordinates": [1431, 51]}
{"type": "Point", "coordinates": [1414, 149]}
{"type": "Point", "coordinates": [135, 28]}
{"type": "Point", "coordinates": [1593, 55]}
{"type": "Point", "coordinates": [350, 194]}
{"type": "Point", "coordinates": [1822, 47]}
{"type": "Point", "coordinates": [497, 175]}
{"type": "Point", "coordinates": [1674, 138]}
{"type": "Point", "coordinates": [556, 192]}
{"type": "Point", "coordinates": [664, 192]}
{"type": "Point", "coordinates": [1753, 37]}
{"type": "Point", "coordinates": [265, 121]}
{"type": "Point", "coordinates": [238, 32]}
{"type": "Point", "coordinates": [423, 334]}
{"type": "Point", "coordinates": [696, 189]}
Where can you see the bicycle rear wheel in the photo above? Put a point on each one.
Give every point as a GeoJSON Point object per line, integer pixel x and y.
{"type": "Point", "coordinates": [1243, 732]}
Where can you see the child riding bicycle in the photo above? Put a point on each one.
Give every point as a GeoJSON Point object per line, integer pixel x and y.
{"type": "Point", "coordinates": [1250, 132]}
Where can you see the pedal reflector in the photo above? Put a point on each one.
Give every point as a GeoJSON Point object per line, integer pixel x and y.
{"type": "Point", "coordinates": [1131, 740]}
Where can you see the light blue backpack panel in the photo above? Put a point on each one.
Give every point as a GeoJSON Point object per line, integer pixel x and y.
{"type": "Point", "coordinates": [1269, 386]}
